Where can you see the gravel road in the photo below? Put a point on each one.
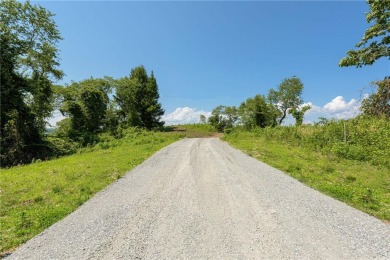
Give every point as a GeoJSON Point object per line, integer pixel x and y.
{"type": "Point", "coordinates": [202, 199]}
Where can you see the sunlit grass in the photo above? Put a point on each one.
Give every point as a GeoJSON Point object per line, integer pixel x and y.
{"type": "Point", "coordinates": [358, 183]}
{"type": "Point", "coordinates": [197, 130]}
{"type": "Point", "coordinates": [35, 196]}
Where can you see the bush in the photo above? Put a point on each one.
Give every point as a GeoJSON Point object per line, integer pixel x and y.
{"type": "Point", "coordinates": [366, 138]}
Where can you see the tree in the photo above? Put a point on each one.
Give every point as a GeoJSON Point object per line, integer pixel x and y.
{"type": "Point", "coordinates": [298, 114]}
{"type": "Point", "coordinates": [378, 104]}
{"type": "Point", "coordinates": [137, 96]}
{"type": "Point", "coordinates": [29, 64]}
{"type": "Point", "coordinates": [86, 104]}
{"type": "Point", "coordinates": [287, 96]}
{"type": "Point", "coordinates": [375, 43]}
{"type": "Point", "coordinates": [256, 112]}
{"type": "Point", "coordinates": [202, 119]}
{"type": "Point", "coordinates": [223, 117]}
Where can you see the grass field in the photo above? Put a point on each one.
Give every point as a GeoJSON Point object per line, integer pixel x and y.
{"type": "Point", "coordinates": [35, 196]}
{"type": "Point", "coordinates": [197, 130]}
{"type": "Point", "coordinates": [361, 184]}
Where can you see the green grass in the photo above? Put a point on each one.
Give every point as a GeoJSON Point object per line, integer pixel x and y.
{"type": "Point", "coordinates": [361, 184]}
{"type": "Point", "coordinates": [35, 196]}
{"type": "Point", "coordinates": [197, 130]}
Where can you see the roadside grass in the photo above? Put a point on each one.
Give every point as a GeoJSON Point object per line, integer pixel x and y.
{"type": "Point", "coordinates": [197, 130]}
{"type": "Point", "coordinates": [35, 196]}
{"type": "Point", "coordinates": [360, 184]}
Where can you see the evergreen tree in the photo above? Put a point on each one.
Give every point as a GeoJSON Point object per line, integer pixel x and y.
{"type": "Point", "coordinates": [137, 97]}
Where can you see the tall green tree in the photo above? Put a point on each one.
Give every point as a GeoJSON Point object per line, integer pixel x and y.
{"type": "Point", "coordinates": [375, 43]}
{"type": "Point", "coordinates": [86, 104]}
{"type": "Point", "coordinates": [257, 112]}
{"type": "Point", "coordinates": [137, 97]}
{"type": "Point", "coordinates": [287, 96]}
{"type": "Point", "coordinates": [29, 64]}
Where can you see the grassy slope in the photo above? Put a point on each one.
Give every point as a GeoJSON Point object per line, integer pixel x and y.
{"type": "Point", "coordinates": [35, 196]}
{"type": "Point", "coordinates": [359, 184]}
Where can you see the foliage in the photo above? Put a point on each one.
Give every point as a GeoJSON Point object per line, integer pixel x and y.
{"type": "Point", "coordinates": [29, 62]}
{"type": "Point", "coordinates": [202, 119]}
{"type": "Point", "coordinates": [257, 112]}
{"type": "Point", "coordinates": [196, 130]}
{"type": "Point", "coordinates": [343, 170]}
{"type": "Point", "coordinates": [287, 96]}
{"type": "Point", "coordinates": [377, 37]}
{"type": "Point", "coordinates": [62, 185]}
{"type": "Point", "coordinates": [137, 97]}
{"type": "Point", "coordinates": [378, 104]}
{"type": "Point", "coordinates": [223, 117]}
{"type": "Point", "coordinates": [298, 114]}
{"type": "Point", "coordinates": [361, 138]}
{"type": "Point", "coordinates": [85, 103]}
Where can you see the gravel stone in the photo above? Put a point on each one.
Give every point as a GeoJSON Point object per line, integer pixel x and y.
{"type": "Point", "coordinates": [202, 199]}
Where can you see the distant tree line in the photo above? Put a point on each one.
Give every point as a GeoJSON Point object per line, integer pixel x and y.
{"type": "Point", "coordinates": [29, 66]}
{"type": "Point", "coordinates": [263, 111]}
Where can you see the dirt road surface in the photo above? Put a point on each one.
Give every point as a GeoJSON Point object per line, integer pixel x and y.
{"type": "Point", "coordinates": [202, 199]}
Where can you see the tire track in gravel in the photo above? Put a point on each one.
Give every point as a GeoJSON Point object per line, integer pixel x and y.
{"type": "Point", "coordinates": [202, 199]}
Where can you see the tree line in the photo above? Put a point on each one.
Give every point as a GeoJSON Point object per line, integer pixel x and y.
{"type": "Point", "coordinates": [93, 106]}
{"type": "Point", "coordinates": [30, 66]}
{"type": "Point", "coordinates": [263, 111]}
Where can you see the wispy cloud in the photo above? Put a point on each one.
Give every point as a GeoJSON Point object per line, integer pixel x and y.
{"type": "Point", "coordinates": [184, 115]}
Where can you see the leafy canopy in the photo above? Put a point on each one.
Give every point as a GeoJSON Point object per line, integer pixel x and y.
{"type": "Point", "coordinates": [378, 104]}
{"type": "Point", "coordinates": [375, 43]}
{"type": "Point", "coordinates": [86, 103]}
{"type": "Point", "coordinates": [137, 97]}
{"type": "Point", "coordinates": [29, 63]}
{"type": "Point", "coordinates": [257, 112]}
{"type": "Point", "coordinates": [223, 117]}
{"type": "Point", "coordinates": [287, 96]}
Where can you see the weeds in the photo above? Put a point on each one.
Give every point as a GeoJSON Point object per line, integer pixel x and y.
{"type": "Point", "coordinates": [354, 168]}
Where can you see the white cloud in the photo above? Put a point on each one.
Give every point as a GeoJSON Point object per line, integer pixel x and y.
{"type": "Point", "coordinates": [338, 108]}
{"type": "Point", "coordinates": [184, 115]}
{"type": "Point", "coordinates": [341, 109]}
{"type": "Point", "coordinates": [338, 104]}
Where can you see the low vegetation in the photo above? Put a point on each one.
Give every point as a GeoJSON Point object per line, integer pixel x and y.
{"type": "Point", "coordinates": [197, 130]}
{"type": "Point", "coordinates": [35, 196]}
{"type": "Point", "coordinates": [348, 160]}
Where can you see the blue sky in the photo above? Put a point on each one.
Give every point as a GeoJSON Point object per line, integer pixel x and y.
{"type": "Point", "coordinates": [206, 54]}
